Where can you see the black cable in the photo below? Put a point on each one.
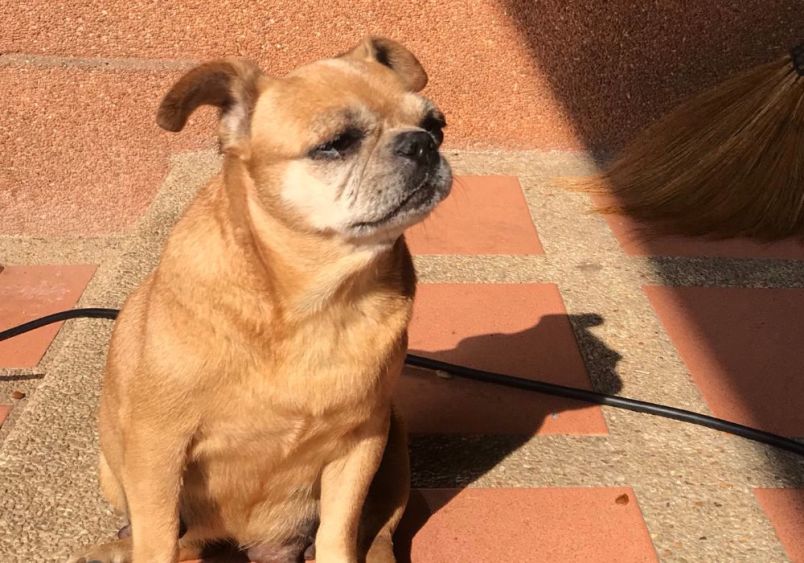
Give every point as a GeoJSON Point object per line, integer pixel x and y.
{"type": "Point", "coordinates": [89, 312]}
{"type": "Point", "coordinates": [508, 381]}
{"type": "Point", "coordinates": [611, 401]}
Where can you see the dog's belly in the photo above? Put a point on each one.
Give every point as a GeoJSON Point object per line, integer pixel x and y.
{"type": "Point", "coordinates": [240, 500]}
{"type": "Point", "coordinates": [260, 484]}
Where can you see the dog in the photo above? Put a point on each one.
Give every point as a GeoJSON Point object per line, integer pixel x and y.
{"type": "Point", "coordinates": [248, 386]}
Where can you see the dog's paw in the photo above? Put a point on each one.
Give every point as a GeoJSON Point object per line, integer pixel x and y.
{"type": "Point", "coordinates": [113, 552]}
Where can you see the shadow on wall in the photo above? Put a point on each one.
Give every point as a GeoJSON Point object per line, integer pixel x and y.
{"type": "Point", "coordinates": [615, 66]}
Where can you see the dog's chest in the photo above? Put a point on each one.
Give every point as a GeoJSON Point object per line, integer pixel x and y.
{"type": "Point", "coordinates": [338, 360]}
{"type": "Point", "coordinates": [313, 387]}
{"type": "Point", "coordinates": [267, 438]}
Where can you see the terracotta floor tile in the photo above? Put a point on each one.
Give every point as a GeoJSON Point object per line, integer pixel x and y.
{"type": "Point", "coordinates": [29, 292]}
{"type": "Point", "coordinates": [785, 509]}
{"type": "Point", "coordinates": [482, 215]}
{"type": "Point", "coordinates": [4, 411]}
{"type": "Point", "coordinates": [87, 154]}
{"type": "Point", "coordinates": [524, 525]}
{"type": "Point", "coordinates": [743, 349]}
{"type": "Point", "coordinates": [635, 243]}
{"type": "Point", "coordinates": [521, 330]}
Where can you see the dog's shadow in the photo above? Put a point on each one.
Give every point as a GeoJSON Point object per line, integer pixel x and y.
{"type": "Point", "coordinates": [462, 429]}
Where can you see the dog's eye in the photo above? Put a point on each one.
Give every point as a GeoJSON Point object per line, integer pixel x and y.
{"type": "Point", "coordinates": [338, 146]}
{"type": "Point", "coordinates": [434, 124]}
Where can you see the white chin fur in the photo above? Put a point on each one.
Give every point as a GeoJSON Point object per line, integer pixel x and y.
{"type": "Point", "coordinates": [317, 203]}
{"type": "Point", "coordinates": [322, 210]}
{"type": "Point", "coordinates": [314, 200]}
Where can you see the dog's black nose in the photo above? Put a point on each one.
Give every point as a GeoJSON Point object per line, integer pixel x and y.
{"type": "Point", "coordinates": [418, 146]}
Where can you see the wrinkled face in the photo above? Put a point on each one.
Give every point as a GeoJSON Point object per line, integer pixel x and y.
{"type": "Point", "coordinates": [340, 146]}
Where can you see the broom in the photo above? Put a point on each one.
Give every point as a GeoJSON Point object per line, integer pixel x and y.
{"type": "Point", "coordinates": [726, 163]}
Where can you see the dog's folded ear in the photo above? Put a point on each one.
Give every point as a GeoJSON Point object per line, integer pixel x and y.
{"type": "Point", "coordinates": [232, 85]}
{"type": "Point", "coordinates": [396, 57]}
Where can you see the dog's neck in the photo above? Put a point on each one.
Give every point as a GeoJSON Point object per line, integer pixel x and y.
{"type": "Point", "coordinates": [306, 272]}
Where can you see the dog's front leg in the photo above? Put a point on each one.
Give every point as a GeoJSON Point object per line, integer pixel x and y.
{"type": "Point", "coordinates": [344, 485]}
{"type": "Point", "coordinates": [152, 472]}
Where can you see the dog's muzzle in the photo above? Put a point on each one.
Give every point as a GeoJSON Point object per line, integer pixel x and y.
{"type": "Point", "coordinates": [417, 146]}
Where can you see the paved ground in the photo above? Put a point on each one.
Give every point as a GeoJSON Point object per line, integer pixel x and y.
{"type": "Point", "coordinates": [518, 277]}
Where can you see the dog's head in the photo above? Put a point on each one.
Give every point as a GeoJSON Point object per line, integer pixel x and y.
{"type": "Point", "coordinates": [342, 146]}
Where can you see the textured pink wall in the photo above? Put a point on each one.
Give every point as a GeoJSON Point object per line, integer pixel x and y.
{"type": "Point", "coordinates": [81, 152]}
{"type": "Point", "coordinates": [543, 74]}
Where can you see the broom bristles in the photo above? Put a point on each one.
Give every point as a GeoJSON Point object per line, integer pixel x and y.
{"type": "Point", "coordinates": [726, 163]}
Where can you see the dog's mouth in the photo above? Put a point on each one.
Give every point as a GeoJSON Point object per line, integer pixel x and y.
{"type": "Point", "coordinates": [414, 199]}
{"type": "Point", "coordinates": [414, 206]}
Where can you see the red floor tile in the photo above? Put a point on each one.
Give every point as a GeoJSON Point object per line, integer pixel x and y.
{"type": "Point", "coordinates": [521, 330]}
{"type": "Point", "coordinates": [4, 411]}
{"type": "Point", "coordinates": [785, 509]}
{"type": "Point", "coordinates": [525, 525]}
{"type": "Point", "coordinates": [482, 215]}
{"type": "Point", "coordinates": [29, 292]}
{"type": "Point", "coordinates": [635, 243]}
{"type": "Point", "coordinates": [743, 349]}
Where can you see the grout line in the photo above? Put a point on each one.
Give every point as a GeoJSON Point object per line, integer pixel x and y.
{"type": "Point", "coordinates": [120, 63]}
{"type": "Point", "coordinates": [29, 250]}
{"type": "Point", "coordinates": [677, 272]}
{"type": "Point", "coordinates": [60, 239]}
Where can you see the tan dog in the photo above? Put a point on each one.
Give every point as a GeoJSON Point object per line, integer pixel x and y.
{"type": "Point", "coordinates": [249, 379]}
